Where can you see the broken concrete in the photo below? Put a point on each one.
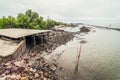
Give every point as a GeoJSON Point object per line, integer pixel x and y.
{"type": "Point", "coordinates": [31, 66]}
{"type": "Point", "coordinates": [54, 39]}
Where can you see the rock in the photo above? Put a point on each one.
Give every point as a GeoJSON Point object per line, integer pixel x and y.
{"type": "Point", "coordinates": [26, 60]}
{"type": "Point", "coordinates": [84, 29]}
{"type": "Point", "coordinates": [18, 77]}
{"type": "Point", "coordinates": [83, 41]}
{"type": "Point", "coordinates": [53, 67]}
{"type": "Point", "coordinates": [33, 55]}
{"type": "Point", "coordinates": [2, 71]}
{"type": "Point", "coordinates": [41, 75]}
{"type": "Point", "coordinates": [20, 69]}
{"type": "Point", "coordinates": [3, 78]}
{"type": "Point", "coordinates": [36, 75]}
{"type": "Point", "coordinates": [13, 76]}
{"type": "Point", "coordinates": [6, 72]}
{"type": "Point", "coordinates": [11, 69]}
{"type": "Point", "coordinates": [32, 70]}
{"type": "Point", "coordinates": [8, 64]}
{"type": "Point", "coordinates": [24, 78]}
{"type": "Point", "coordinates": [26, 69]}
{"type": "Point", "coordinates": [46, 75]}
{"type": "Point", "coordinates": [45, 78]}
{"type": "Point", "coordinates": [61, 69]}
{"type": "Point", "coordinates": [17, 63]}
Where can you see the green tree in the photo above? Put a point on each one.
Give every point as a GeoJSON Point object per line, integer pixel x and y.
{"type": "Point", "coordinates": [11, 22]}
{"type": "Point", "coordinates": [50, 23]}
{"type": "Point", "coordinates": [23, 21]}
{"type": "Point", "coordinates": [29, 19]}
{"type": "Point", "coordinates": [32, 15]}
{"type": "Point", "coordinates": [3, 22]}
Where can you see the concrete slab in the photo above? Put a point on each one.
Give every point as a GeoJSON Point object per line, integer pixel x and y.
{"type": "Point", "coordinates": [18, 33]}
{"type": "Point", "coordinates": [8, 47]}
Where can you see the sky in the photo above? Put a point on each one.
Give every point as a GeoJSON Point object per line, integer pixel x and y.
{"type": "Point", "coordinates": [83, 11]}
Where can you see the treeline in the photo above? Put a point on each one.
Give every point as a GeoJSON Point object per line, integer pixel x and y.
{"type": "Point", "coordinates": [28, 20]}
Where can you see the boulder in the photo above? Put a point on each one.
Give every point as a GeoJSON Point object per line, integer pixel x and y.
{"type": "Point", "coordinates": [84, 29]}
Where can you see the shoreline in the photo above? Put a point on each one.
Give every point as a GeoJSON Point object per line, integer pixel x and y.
{"type": "Point", "coordinates": [33, 64]}
{"type": "Point", "coordinates": [104, 27]}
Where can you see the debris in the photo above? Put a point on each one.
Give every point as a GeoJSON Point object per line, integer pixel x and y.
{"type": "Point", "coordinates": [39, 69]}
{"type": "Point", "coordinates": [35, 67]}
{"type": "Point", "coordinates": [53, 40]}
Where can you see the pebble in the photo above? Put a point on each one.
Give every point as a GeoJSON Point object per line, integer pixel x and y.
{"type": "Point", "coordinates": [24, 78]}
{"type": "Point", "coordinates": [36, 75]}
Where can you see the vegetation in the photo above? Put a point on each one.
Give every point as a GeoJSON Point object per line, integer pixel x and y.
{"type": "Point", "coordinates": [28, 20]}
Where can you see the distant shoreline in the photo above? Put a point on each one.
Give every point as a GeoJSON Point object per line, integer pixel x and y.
{"type": "Point", "coordinates": [104, 27]}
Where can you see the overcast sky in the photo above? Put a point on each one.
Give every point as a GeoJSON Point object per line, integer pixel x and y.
{"type": "Point", "coordinates": [88, 11]}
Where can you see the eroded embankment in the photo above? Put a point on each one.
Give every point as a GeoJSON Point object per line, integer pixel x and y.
{"type": "Point", "coordinates": [32, 66]}
{"type": "Point", "coordinates": [53, 39]}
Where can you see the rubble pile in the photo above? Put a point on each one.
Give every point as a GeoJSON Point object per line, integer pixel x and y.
{"type": "Point", "coordinates": [28, 68]}
{"type": "Point", "coordinates": [84, 29]}
{"type": "Point", "coordinates": [32, 66]}
{"type": "Point", "coordinates": [53, 40]}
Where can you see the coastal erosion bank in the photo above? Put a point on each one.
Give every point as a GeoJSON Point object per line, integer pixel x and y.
{"type": "Point", "coordinates": [32, 65]}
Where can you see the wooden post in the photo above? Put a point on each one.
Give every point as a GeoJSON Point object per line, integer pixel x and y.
{"type": "Point", "coordinates": [20, 39]}
{"type": "Point", "coordinates": [41, 38]}
{"type": "Point", "coordinates": [34, 40]}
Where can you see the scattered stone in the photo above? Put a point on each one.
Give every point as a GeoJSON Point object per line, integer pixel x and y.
{"type": "Point", "coordinates": [54, 39]}
{"type": "Point", "coordinates": [18, 77]}
{"type": "Point", "coordinates": [20, 69]}
{"type": "Point", "coordinates": [61, 69]}
{"type": "Point", "coordinates": [8, 64]}
{"type": "Point", "coordinates": [36, 75]}
{"type": "Point", "coordinates": [53, 67]}
{"type": "Point", "coordinates": [24, 78]}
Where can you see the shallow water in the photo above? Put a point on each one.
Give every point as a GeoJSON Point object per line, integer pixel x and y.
{"type": "Point", "coordinates": [99, 57]}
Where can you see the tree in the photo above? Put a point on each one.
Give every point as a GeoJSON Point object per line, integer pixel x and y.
{"type": "Point", "coordinates": [11, 22]}
{"type": "Point", "coordinates": [32, 15]}
{"type": "Point", "coordinates": [29, 19]}
{"type": "Point", "coordinates": [23, 21]}
{"type": "Point", "coordinates": [50, 23]}
{"type": "Point", "coordinates": [3, 22]}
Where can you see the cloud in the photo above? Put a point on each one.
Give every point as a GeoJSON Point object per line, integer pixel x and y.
{"type": "Point", "coordinates": [65, 10]}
